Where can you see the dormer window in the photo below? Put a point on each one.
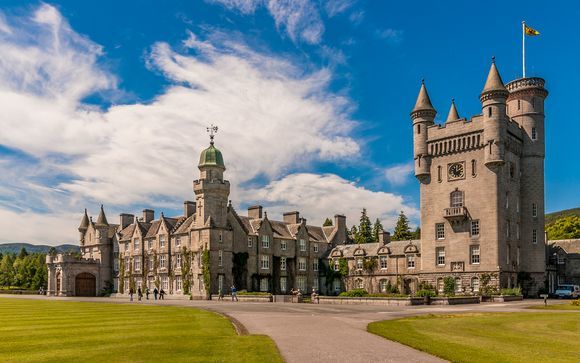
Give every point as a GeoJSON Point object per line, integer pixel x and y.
{"type": "Point", "coordinates": [302, 245]}
{"type": "Point", "coordinates": [359, 263]}
{"type": "Point", "coordinates": [265, 241]}
{"type": "Point", "coordinates": [161, 241]}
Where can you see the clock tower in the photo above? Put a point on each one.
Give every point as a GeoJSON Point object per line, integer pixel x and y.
{"type": "Point", "coordinates": [482, 188]}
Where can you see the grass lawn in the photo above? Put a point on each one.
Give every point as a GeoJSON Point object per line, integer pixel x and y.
{"type": "Point", "coordinates": [567, 306]}
{"type": "Point", "coordinates": [50, 330]}
{"type": "Point", "coordinates": [489, 337]}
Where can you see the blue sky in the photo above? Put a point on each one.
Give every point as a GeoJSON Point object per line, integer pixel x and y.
{"type": "Point", "coordinates": [106, 102]}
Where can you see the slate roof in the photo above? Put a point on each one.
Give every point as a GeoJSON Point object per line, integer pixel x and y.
{"type": "Point", "coordinates": [568, 245]}
{"type": "Point", "coordinates": [371, 249]}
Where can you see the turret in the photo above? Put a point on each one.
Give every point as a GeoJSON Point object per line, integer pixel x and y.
{"type": "Point", "coordinates": [493, 105]}
{"type": "Point", "coordinates": [453, 115]}
{"type": "Point", "coordinates": [423, 115]}
{"type": "Point", "coordinates": [83, 226]}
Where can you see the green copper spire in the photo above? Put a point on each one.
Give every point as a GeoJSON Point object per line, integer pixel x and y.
{"type": "Point", "coordinates": [211, 156]}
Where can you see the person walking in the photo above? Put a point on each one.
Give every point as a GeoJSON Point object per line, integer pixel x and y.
{"type": "Point", "coordinates": [234, 293]}
{"type": "Point", "coordinates": [130, 294]}
{"type": "Point", "coordinates": [139, 293]}
{"type": "Point", "coordinates": [147, 292]}
{"type": "Point", "coordinates": [161, 294]}
{"type": "Point", "coordinates": [155, 292]}
{"type": "Point", "coordinates": [221, 294]}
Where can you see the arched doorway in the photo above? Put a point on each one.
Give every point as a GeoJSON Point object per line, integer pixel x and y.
{"type": "Point", "coordinates": [410, 286]}
{"type": "Point", "coordinates": [85, 284]}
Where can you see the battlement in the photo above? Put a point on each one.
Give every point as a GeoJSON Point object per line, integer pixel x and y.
{"type": "Point", "coordinates": [525, 83]}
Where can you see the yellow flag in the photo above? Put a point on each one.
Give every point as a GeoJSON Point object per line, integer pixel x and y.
{"type": "Point", "coordinates": [531, 31]}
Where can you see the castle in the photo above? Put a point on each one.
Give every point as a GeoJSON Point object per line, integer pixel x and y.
{"type": "Point", "coordinates": [482, 214]}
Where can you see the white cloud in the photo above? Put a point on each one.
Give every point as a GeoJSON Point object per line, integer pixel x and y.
{"type": "Point", "coordinates": [4, 28]}
{"type": "Point", "coordinates": [399, 174]}
{"type": "Point", "coordinates": [300, 19]}
{"type": "Point", "coordinates": [274, 119]}
{"type": "Point", "coordinates": [391, 35]}
{"type": "Point", "coordinates": [357, 17]}
{"type": "Point", "coordinates": [335, 7]}
{"type": "Point", "coordinates": [320, 196]}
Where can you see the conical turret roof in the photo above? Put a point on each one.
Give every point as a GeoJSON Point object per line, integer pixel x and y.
{"type": "Point", "coordinates": [102, 219]}
{"type": "Point", "coordinates": [423, 101]}
{"type": "Point", "coordinates": [453, 114]}
{"type": "Point", "coordinates": [493, 82]}
{"type": "Point", "coordinates": [84, 222]}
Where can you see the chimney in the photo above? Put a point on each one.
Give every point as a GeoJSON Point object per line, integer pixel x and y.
{"type": "Point", "coordinates": [188, 208]}
{"type": "Point", "coordinates": [255, 212]}
{"type": "Point", "coordinates": [292, 217]}
{"type": "Point", "coordinates": [340, 237]}
{"type": "Point", "coordinates": [339, 221]}
{"type": "Point", "coordinates": [148, 215]}
{"type": "Point", "coordinates": [126, 219]}
{"type": "Point", "coordinates": [384, 237]}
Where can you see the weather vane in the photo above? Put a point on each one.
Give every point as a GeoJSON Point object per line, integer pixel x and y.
{"type": "Point", "coordinates": [212, 131]}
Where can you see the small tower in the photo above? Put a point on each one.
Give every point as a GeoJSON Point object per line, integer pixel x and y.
{"type": "Point", "coordinates": [211, 190]}
{"type": "Point", "coordinates": [83, 227]}
{"type": "Point", "coordinates": [453, 115]}
{"type": "Point", "coordinates": [493, 105]}
{"type": "Point", "coordinates": [102, 226]}
{"type": "Point", "coordinates": [423, 115]}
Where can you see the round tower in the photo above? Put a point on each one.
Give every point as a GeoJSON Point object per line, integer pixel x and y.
{"type": "Point", "coordinates": [423, 115]}
{"type": "Point", "coordinates": [493, 106]}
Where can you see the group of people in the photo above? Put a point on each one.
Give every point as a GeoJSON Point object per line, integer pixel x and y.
{"type": "Point", "coordinates": [234, 293]}
{"type": "Point", "coordinates": [156, 293]}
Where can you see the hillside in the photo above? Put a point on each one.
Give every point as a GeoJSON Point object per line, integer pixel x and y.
{"type": "Point", "coordinates": [16, 247]}
{"type": "Point", "coordinates": [552, 217]}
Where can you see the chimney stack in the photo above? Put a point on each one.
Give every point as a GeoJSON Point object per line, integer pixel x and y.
{"type": "Point", "coordinates": [126, 219]}
{"type": "Point", "coordinates": [255, 212]}
{"type": "Point", "coordinates": [148, 215]}
{"type": "Point", "coordinates": [384, 237]}
{"type": "Point", "coordinates": [292, 217]}
{"type": "Point", "coordinates": [188, 208]}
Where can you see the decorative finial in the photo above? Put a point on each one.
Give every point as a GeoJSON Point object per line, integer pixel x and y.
{"type": "Point", "coordinates": [453, 100]}
{"type": "Point", "coordinates": [212, 131]}
{"type": "Point", "coordinates": [422, 80]}
{"type": "Point", "coordinates": [493, 59]}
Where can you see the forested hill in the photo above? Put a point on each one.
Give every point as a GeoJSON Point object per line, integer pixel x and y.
{"type": "Point", "coordinates": [564, 224]}
{"type": "Point", "coordinates": [552, 217]}
{"type": "Point", "coordinates": [16, 247]}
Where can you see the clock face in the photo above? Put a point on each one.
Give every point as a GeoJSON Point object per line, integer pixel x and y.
{"type": "Point", "coordinates": [456, 171]}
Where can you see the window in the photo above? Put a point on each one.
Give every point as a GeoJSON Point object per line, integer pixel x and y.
{"type": "Point", "coordinates": [282, 263]}
{"type": "Point", "coordinates": [151, 263]}
{"type": "Point", "coordinates": [315, 285]}
{"type": "Point", "coordinates": [178, 283]}
{"type": "Point", "coordinates": [561, 259]}
{"type": "Point", "coordinates": [410, 261]}
{"type": "Point", "coordinates": [359, 263]}
{"type": "Point", "coordinates": [221, 283]}
{"type": "Point", "coordinates": [150, 244]}
{"type": "Point", "coordinates": [517, 206]}
{"type": "Point", "coordinates": [512, 170]}
{"type": "Point", "coordinates": [136, 244]}
{"type": "Point", "coordinates": [220, 258]}
{"type": "Point", "coordinates": [475, 228]}
{"type": "Point", "coordinates": [265, 241]}
{"type": "Point", "coordinates": [178, 241]}
{"type": "Point", "coordinates": [534, 209]}
{"type": "Point", "coordinates": [534, 236]}
{"type": "Point", "coordinates": [439, 174]}
{"type": "Point", "coordinates": [507, 257]}
{"type": "Point", "coordinates": [534, 134]}
{"type": "Point", "coordinates": [475, 284]}
{"type": "Point", "coordinates": [457, 199]}
{"type": "Point", "coordinates": [178, 260]}
{"type": "Point", "coordinates": [474, 254]}
{"type": "Point", "coordinates": [519, 104]}
{"type": "Point", "coordinates": [440, 256]}
{"type": "Point", "coordinates": [384, 285]}
{"type": "Point", "coordinates": [473, 168]}
{"type": "Point", "coordinates": [507, 229]}
{"type": "Point", "coordinates": [418, 128]}
{"type": "Point", "coordinates": [315, 248]}
{"type": "Point", "coordinates": [162, 261]}
{"type": "Point", "coordinates": [221, 237]}
{"type": "Point", "coordinates": [517, 231]}
{"type": "Point", "coordinates": [315, 265]}
{"type": "Point", "coordinates": [383, 262]}
{"type": "Point", "coordinates": [264, 285]}
{"type": "Point", "coordinates": [126, 246]}
{"type": "Point", "coordinates": [518, 256]}
{"type": "Point", "coordinates": [302, 264]}
{"type": "Point", "coordinates": [489, 111]}
{"type": "Point", "coordinates": [283, 245]}
{"type": "Point", "coordinates": [301, 280]}
{"type": "Point", "coordinates": [165, 283]}
{"type": "Point", "coordinates": [127, 266]}
{"type": "Point", "coordinates": [250, 242]}
{"type": "Point", "coordinates": [440, 284]}
{"type": "Point", "coordinates": [283, 284]}
{"type": "Point", "coordinates": [161, 241]}
{"type": "Point", "coordinates": [265, 262]}
{"type": "Point", "coordinates": [359, 284]}
{"type": "Point", "coordinates": [336, 264]}
{"type": "Point", "coordinates": [116, 265]}
{"type": "Point", "coordinates": [137, 263]}
{"type": "Point", "coordinates": [458, 287]}
{"type": "Point", "coordinates": [302, 245]}
{"type": "Point", "coordinates": [440, 231]}
{"type": "Point", "coordinates": [336, 285]}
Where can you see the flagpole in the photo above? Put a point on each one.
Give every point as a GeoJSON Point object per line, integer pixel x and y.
{"type": "Point", "coordinates": [524, 49]}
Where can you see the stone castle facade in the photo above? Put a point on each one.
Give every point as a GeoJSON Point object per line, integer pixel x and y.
{"type": "Point", "coordinates": [482, 212]}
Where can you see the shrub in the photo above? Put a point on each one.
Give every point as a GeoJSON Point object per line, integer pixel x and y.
{"type": "Point", "coordinates": [449, 286]}
{"type": "Point", "coordinates": [258, 293]}
{"type": "Point", "coordinates": [576, 302]}
{"type": "Point", "coordinates": [516, 291]}
{"type": "Point", "coordinates": [425, 293]}
{"type": "Point", "coordinates": [355, 293]}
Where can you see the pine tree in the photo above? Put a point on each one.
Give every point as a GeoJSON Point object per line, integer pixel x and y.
{"type": "Point", "coordinates": [377, 229]}
{"type": "Point", "coordinates": [365, 232]}
{"type": "Point", "coordinates": [353, 233]}
{"type": "Point", "coordinates": [327, 223]}
{"type": "Point", "coordinates": [417, 233]}
{"type": "Point", "coordinates": [23, 253]}
{"type": "Point", "coordinates": [402, 231]}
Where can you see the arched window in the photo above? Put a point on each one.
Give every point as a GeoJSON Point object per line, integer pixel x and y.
{"type": "Point", "coordinates": [440, 285]}
{"type": "Point", "coordinates": [439, 173]}
{"type": "Point", "coordinates": [475, 284]}
{"type": "Point", "coordinates": [383, 285]}
{"type": "Point", "coordinates": [359, 284]}
{"type": "Point", "coordinates": [419, 128]}
{"type": "Point", "coordinates": [458, 287]}
{"type": "Point", "coordinates": [457, 198]}
{"type": "Point", "coordinates": [519, 104]}
{"type": "Point", "coordinates": [489, 111]}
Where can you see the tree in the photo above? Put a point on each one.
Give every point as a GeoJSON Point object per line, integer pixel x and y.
{"type": "Point", "coordinates": [23, 253]}
{"type": "Point", "coordinates": [7, 270]}
{"type": "Point", "coordinates": [327, 223]}
{"type": "Point", "coordinates": [567, 227]}
{"type": "Point", "coordinates": [377, 229]}
{"type": "Point", "coordinates": [365, 233]}
{"type": "Point", "coordinates": [353, 232]}
{"type": "Point", "coordinates": [402, 231]}
{"type": "Point", "coordinates": [417, 233]}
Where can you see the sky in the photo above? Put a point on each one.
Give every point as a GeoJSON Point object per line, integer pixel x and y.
{"type": "Point", "coordinates": [107, 102]}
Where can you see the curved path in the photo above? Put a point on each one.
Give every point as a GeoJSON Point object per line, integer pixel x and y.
{"type": "Point", "coordinates": [325, 333]}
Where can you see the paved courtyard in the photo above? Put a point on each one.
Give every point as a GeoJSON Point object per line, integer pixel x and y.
{"type": "Point", "coordinates": [325, 333]}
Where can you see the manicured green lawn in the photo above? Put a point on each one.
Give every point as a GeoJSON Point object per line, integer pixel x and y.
{"type": "Point", "coordinates": [60, 331]}
{"type": "Point", "coordinates": [566, 306]}
{"type": "Point", "coordinates": [489, 337]}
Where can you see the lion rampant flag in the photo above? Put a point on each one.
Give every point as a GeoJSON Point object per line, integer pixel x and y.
{"type": "Point", "coordinates": [530, 31]}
